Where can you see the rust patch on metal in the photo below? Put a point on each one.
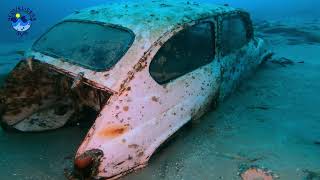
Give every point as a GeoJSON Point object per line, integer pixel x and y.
{"type": "Point", "coordinates": [126, 108]}
{"type": "Point", "coordinates": [113, 131]}
{"type": "Point", "coordinates": [133, 146]}
{"type": "Point", "coordinates": [155, 99]}
{"type": "Point", "coordinates": [86, 165]}
{"type": "Point", "coordinates": [27, 92]}
{"type": "Point", "coordinates": [140, 153]}
{"type": "Point", "coordinates": [140, 65]}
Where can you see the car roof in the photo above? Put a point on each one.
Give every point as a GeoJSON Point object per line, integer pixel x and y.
{"type": "Point", "coordinates": [149, 19]}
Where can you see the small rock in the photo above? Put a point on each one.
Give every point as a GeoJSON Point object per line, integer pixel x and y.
{"type": "Point", "coordinates": [283, 61]}
{"type": "Point", "coordinates": [317, 142]}
{"type": "Point", "coordinates": [94, 12]}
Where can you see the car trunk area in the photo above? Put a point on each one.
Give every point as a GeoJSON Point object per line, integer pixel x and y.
{"type": "Point", "coordinates": [36, 97]}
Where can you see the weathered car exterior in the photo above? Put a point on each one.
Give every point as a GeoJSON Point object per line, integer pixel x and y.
{"type": "Point", "coordinates": [140, 113]}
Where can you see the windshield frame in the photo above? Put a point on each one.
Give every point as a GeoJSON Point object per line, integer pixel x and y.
{"type": "Point", "coordinates": [83, 65]}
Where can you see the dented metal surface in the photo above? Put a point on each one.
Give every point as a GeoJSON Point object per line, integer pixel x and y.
{"type": "Point", "coordinates": [140, 114]}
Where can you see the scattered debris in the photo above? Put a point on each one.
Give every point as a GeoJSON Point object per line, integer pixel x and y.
{"type": "Point", "coordinates": [267, 57]}
{"type": "Point", "coordinates": [311, 175]}
{"type": "Point", "coordinates": [37, 98]}
{"type": "Point", "coordinates": [164, 5]}
{"type": "Point", "coordinates": [238, 157]}
{"type": "Point", "coordinates": [283, 61]}
{"type": "Point", "coordinates": [262, 107]}
{"type": "Point", "coordinates": [94, 11]}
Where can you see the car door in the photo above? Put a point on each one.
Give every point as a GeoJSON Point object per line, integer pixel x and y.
{"type": "Point", "coordinates": [187, 69]}
{"type": "Point", "coordinates": [238, 50]}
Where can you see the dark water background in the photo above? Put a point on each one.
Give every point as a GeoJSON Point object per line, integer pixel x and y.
{"type": "Point", "coordinates": [49, 12]}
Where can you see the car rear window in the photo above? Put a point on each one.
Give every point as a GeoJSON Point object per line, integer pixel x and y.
{"type": "Point", "coordinates": [89, 44]}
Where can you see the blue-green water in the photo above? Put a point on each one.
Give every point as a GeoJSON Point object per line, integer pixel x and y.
{"type": "Point", "coordinates": [38, 155]}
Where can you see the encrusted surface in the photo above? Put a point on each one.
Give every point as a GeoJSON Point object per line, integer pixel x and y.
{"type": "Point", "coordinates": [36, 98]}
{"type": "Point", "coordinates": [150, 19]}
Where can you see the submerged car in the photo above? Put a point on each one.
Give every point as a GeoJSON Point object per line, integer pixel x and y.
{"type": "Point", "coordinates": [146, 69]}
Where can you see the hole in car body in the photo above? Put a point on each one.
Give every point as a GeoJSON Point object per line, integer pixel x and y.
{"type": "Point", "coordinates": [42, 99]}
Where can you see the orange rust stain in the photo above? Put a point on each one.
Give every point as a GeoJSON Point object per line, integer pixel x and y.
{"type": "Point", "coordinates": [83, 162]}
{"type": "Point", "coordinates": [113, 131]}
{"type": "Point", "coordinates": [126, 108]}
{"type": "Point", "coordinates": [155, 99]}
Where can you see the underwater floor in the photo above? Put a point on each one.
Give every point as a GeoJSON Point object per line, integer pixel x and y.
{"type": "Point", "coordinates": [272, 121]}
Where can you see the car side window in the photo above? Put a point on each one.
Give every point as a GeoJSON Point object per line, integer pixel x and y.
{"type": "Point", "coordinates": [233, 34]}
{"type": "Point", "coordinates": [188, 50]}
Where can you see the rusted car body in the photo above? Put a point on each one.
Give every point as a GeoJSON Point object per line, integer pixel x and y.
{"type": "Point", "coordinates": [169, 62]}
